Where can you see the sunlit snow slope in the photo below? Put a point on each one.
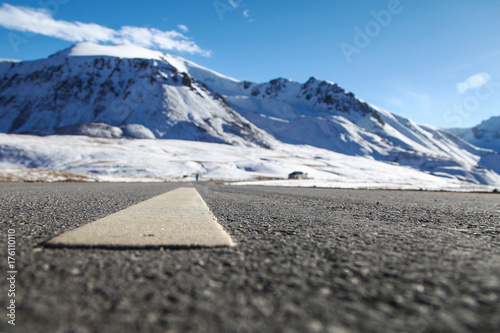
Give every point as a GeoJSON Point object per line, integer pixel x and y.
{"type": "Point", "coordinates": [56, 158]}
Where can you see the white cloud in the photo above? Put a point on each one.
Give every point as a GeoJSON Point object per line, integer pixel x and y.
{"type": "Point", "coordinates": [473, 82]}
{"type": "Point", "coordinates": [39, 21]}
{"type": "Point", "coordinates": [235, 3]}
{"type": "Point", "coordinates": [183, 28]}
{"type": "Point", "coordinates": [157, 39]}
{"type": "Point", "coordinates": [246, 14]}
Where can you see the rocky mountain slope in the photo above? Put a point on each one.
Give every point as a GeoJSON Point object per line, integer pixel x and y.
{"type": "Point", "coordinates": [127, 91]}
{"type": "Point", "coordinates": [70, 93]}
{"type": "Point", "coordinates": [485, 135]}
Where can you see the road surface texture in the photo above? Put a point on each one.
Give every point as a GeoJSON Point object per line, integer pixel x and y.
{"type": "Point", "coordinates": [306, 260]}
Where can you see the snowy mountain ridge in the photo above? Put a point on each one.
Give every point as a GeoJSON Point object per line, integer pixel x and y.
{"type": "Point", "coordinates": [485, 135]}
{"type": "Point", "coordinates": [128, 91]}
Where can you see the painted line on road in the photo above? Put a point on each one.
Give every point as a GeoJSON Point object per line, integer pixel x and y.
{"type": "Point", "coordinates": [179, 218]}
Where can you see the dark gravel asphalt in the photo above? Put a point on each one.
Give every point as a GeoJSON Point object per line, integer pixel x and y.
{"type": "Point", "coordinates": [307, 260]}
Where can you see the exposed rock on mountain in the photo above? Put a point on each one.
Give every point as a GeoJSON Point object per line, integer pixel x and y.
{"type": "Point", "coordinates": [485, 135]}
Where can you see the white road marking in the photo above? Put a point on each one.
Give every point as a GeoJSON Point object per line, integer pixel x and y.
{"type": "Point", "coordinates": [179, 218]}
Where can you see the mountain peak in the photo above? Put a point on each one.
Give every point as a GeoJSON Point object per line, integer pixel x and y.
{"type": "Point", "coordinates": [86, 49]}
{"type": "Point", "coordinates": [485, 135]}
{"type": "Point", "coordinates": [131, 51]}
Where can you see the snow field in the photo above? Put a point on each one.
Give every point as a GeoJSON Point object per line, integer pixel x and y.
{"type": "Point", "coordinates": [80, 158]}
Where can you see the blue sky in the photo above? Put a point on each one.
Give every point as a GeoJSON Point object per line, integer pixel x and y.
{"type": "Point", "coordinates": [435, 62]}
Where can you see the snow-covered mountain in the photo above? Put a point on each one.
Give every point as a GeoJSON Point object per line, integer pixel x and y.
{"type": "Point", "coordinates": [485, 135]}
{"type": "Point", "coordinates": [127, 91]}
{"type": "Point", "coordinates": [110, 95]}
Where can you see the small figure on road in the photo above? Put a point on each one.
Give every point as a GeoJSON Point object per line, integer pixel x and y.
{"type": "Point", "coordinates": [197, 176]}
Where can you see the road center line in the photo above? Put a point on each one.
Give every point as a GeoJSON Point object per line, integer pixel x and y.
{"type": "Point", "coordinates": [179, 218]}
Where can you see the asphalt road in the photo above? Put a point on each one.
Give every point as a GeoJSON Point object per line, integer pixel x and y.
{"type": "Point", "coordinates": [306, 260]}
